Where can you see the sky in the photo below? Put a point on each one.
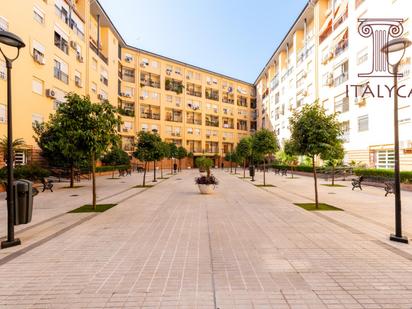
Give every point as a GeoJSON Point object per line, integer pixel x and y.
{"type": "Point", "coordinates": [231, 37]}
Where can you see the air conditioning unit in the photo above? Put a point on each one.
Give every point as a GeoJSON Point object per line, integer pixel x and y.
{"type": "Point", "coordinates": [80, 58]}
{"type": "Point", "coordinates": [78, 83]}
{"type": "Point", "coordinates": [127, 95]}
{"type": "Point", "coordinates": [144, 64]}
{"type": "Point", "coordinates": [128, 59]}
{"type": "Point", "coordinates": [50, 93]}
{"type": "Point", "coordinates": [73, 45]}
{"type": "Point", "coordinates": [142, 97]}
{"type": "Point", "coordinates": [100, 97]}
{"type": "Point", "coordinates": [188, 77]}
{"type": "Point", "coordinates": [329, 80]}
{"type": "Point", "coordinates": [209, 82]}
{"type": "Point", "coordinates": [360, 101]}
{"type": "Point", "coordinates": [305, 93]}
{"type": "Point", "coordinates": [178, 72]}
{"type": "Point", "coordinates": [39, 59]}
{"type": "Point", "coordinates": [168, 72]}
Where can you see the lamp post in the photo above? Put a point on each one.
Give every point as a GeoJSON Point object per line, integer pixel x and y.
{"type": "Point", "coordinates": [396, 48]}
{"type": "Point", "coordinates": [11, 40]}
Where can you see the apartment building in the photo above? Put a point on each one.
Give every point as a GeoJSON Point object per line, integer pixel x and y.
{"type": "Point", "coordinates": [321, 59]}
{"type": "Point", "coordinates": [72, 46]}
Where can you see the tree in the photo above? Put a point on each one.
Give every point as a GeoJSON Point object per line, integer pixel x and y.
{"type": "Point", "coordinates": [165, 153]}
{"type": "Point", "coordinates": [17, 144]}
{"type": "Point", "coordinates": [172, 154]}
{"type": "Point", "coordinates": [314, 133]}
{"type": "Point", "coordinates": [181, 154]}
{"type": "Point", "coordinates": [146, 149]}
{"type": "Point", "coordinates": [229, 156]}
{"type": "Point", "coordinates": [244, 151]}
{"type": "Point", "coordinates": [57, 139]}
{"type": "Point", "coordinates": [204, 164]}
{"type": "Point", "coordinates": [158, 154]}
{"type": "Point", "coordinates": [116, 156]}
{"type": "Point", "coordinates": [333, 157]}
{"type": "Point", "coordinates": [291, 157]}
{"type": "Point", "coordinates": [264, 143]}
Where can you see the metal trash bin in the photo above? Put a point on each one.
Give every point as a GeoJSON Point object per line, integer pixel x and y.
{"type": "Point", "coordinates": [23, 201]}
{"type": "Point", "coordinates": [252, 171]}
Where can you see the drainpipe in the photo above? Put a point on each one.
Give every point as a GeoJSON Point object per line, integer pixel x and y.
{"type": "Point", "coordinates": [305, 33]}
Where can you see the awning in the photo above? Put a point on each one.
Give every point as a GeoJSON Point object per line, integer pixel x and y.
{"type": "Point", "coordinates": [343, 8]}
{"type": "Point", "coordinates": [327, 24]}
{"type": "Point", "coordinates": [341, 36]}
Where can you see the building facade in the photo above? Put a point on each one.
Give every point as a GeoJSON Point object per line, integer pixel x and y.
{"type": "Point", "coordinates": [72, 46]}
{"type": "Point", "coordinates": [323, 58]}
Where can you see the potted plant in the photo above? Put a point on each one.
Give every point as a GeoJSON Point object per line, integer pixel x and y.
{"type": "Point", "coordinates": [206, 183]}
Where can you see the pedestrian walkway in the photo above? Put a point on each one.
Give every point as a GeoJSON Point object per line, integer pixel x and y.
{"type": "Point", "coordinates": [242, 247]}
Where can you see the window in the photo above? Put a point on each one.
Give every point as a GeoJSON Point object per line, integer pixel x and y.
{"type": "Point", "coordinates": [3, 72]}
{"type": "Point", "coordinates": [94, 87]}
{"type": "Point", "coordinates": [37, 86]}
{"type": "Point", "coordinates": [38, 15]}
{"type": "Point", "coordinates": [4, 24]}
{"type": "Point", "coordinates": [37, 118]}
{"type": "Point", "coordinates": [20, 157]}
{"type": "Point", "coordinates": [78, 78]}
{"type": "Point", "coordinates": [61, 40]}
{"type": "Point", "coordinates": [362, 56]}
{"type": "Point", "coordinates": [341, 104]}
{"type": "Point", "coordinates": [38, 52]}
{"type": "Point", "coordinates": [363, 123]}
{"type": "Point", "coordinates": [60, 98]}
{"type": "Point", "coordinates": [3, 114]}
{"type": "Point", "coordinates": [60, 71]}
{"type": "Point", "coordinates": [341, 73]}
{"type": "Point", "coordinates": [144, 127]}
{"type": "Point", "coordinates": [385, 159]}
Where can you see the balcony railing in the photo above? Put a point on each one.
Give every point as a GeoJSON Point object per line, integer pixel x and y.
{"type": "Point", "coordinates": [340, 79]}
{"type": "Point", "coordinates": [149, 83]}
{"type": "Point", "coordinates": [70, 22]}
{"type": "Point", "coordinates": [172, 118]}
{"type": "Point", "coordinates": [150, 115]}
{"type": "Point", "coordinates": [99, 53]}
{"type": "Point", "coordinates": [212, 123]}
{"type": "Point", "coordinates": [194, 121]}
{"type": "Point", "coordinates": [341, 47]}
{"type": "Point", "coordinates": [60, 75]}
{"type": "Point", "coordinates": [194, 93]}
{"type": "Point", "coordinates": [126, 111]}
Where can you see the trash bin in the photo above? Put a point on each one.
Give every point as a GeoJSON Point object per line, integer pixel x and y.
{"type": "Point", "coordinates": [23, 201]}
{"type": "Point", "coordinates": [252, 171]}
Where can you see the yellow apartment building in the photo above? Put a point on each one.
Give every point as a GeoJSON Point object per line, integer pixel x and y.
{"type": "Point", "coordinates": [72, 46]}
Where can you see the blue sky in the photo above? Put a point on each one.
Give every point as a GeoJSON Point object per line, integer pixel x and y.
{"type": "Point", "coordinates": [232, 37]}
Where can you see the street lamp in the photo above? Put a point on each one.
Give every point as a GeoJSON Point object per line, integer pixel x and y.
{"type": "Point", "coordinates": [395, 50]}
{"type": "Point", "coordinates": [11, 40]}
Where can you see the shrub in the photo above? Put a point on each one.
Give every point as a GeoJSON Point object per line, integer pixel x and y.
{"type": "Point", "coordinates": [204, 164]}
{"type": "Point", "coordinates": [206, 180]}
{"type": "Point", "coordinates": [406, 176]}
{"type": "Point", "coordinates": [29, 172]}
{"type": "Point", "coordinates": [111, 168]}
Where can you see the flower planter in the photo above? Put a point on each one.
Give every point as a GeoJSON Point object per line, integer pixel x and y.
{"type": "Point", "coordinates": [206, 189]}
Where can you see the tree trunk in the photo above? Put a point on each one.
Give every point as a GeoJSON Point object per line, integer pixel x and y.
{"type": "Point", "coordinates": [161, 169]}
{"type": "Point", "coordinates": [94, 181]}
{"type": "Point", "coordinates": [171, 166]}
{"type": "Point", "coordinates": [144, 174]}
{"type": "Point", "coordinates": [244, 168]}
{"type": "Point", "coordinates": [180, 165]}
{"type": "Point", "coordinates": [264, 172]}
{"type": "Point", "coordinates": [72, 176]}
{"type": "Point", "coordinates": [291, 170]}
{"type": "Point", "coordinates": [315, 178]}
{"type": "Point", "coordinates": [333, 175]}
{"type": "Point", "coordinates": [154, 171]}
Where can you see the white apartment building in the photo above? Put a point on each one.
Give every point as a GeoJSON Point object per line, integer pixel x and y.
{"type": "Point", "coordinates": [319, 59]}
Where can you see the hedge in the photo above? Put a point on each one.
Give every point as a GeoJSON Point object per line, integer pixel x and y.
{"type": "Point", "coordinates": [111, 168]}
{"type": "Point", "coordinates": [29, 172]}
{"type": "Point", "coordinates": [406, 176]}
{"type": "Point", "coordinates": [299, 168]}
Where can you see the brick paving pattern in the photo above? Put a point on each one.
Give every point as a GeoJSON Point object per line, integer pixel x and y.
{"type": "Point", "coordinates": [242, 247]}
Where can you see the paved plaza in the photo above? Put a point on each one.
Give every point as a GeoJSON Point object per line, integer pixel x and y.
{"type": "Point", "coordinates": [242, 247]}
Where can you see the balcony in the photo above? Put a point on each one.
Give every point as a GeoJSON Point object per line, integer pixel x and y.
{"type": "Point", "coordinates": [340, 79]}
{"type": "Point", "coordinates": [228, 98]}
{"type": "Point", "coordinates": [228, 123]}
{"type": "Point", "coordinates": [194, 118]}
{"type": "Point", "coordinates": [212, 94]}
{"type": "Point", "coordinates": [149, 80]}
{"type": "Point", "coordinates": [242, 125]}
{"type": "Point", "coordinates": [194, 90]}
{"type": "Point", "coordinates": [242, 101]}
{"type": "Point", "coordinates": [173, 115]}
{"type": "Point", "coordinates": [174, 85]}
{"type": "Point", "coordinates": [126, 109]}
{"type": "Point", "coordinates": [212, 121]}
{"type": "Point", "coordinates": [60, 75]}
{"type": "Point", "coordinates": [150, 112]}
{"type": "Point", "coordinates": [341, 47]}
{"type": "Point", "coordinates": [64, 16]}
{"type": "Point", "coordinates": [104, 80]}
{"type": "Point", "coordinates": [128, 75]}
{"type": "Point", "coordinates": [99, 53]}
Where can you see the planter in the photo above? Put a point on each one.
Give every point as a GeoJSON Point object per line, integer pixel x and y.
{"type": "Point", "coordinates": [206, 189]}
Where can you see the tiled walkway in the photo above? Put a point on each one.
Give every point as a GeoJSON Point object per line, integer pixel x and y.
{"type": "Point", "coordinates": [242, 247]}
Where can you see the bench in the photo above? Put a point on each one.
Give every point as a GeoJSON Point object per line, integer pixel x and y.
{"type": "Point", "coordinates": [357, 183]}
{"type": "Point", "coordinates": [389, 188]}
{"type": "Point", "coordinates": [281, 171]}
{"type": "Point", "coordinates": [125, 172]}
{"type": "Point", "coordinates": [47, 184]}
